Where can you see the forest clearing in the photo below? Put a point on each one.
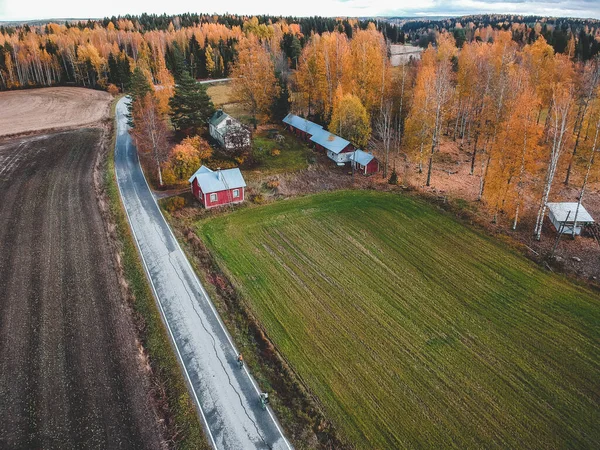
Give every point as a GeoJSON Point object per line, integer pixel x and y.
{"type": "Point", "coordinates": [34, 110]}
{"type": "Point", "coordinates": [412, 329]}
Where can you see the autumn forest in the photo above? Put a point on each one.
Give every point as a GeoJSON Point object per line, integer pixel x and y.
{"type": "Point", "coordinates": [521, 98]}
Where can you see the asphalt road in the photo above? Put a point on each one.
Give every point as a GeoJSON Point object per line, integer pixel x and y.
{"type": "Point", "coordinates": [227, 396]}
{"type": "Point", "coordinates": [70, 374]}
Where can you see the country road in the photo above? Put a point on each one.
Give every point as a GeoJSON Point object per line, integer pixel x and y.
{"type": "Point", "coordinates": [227, 396]}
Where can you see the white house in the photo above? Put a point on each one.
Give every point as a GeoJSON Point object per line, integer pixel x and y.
{"type": "Point", "coordinates": [228, 132]}
{"type": "Point", "coordinates": [564, 212]}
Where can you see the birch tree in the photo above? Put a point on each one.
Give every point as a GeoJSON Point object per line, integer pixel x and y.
{"type": "Point", "coordinates": [562, 99]}
{"type": "Point", "coordinates": [150, 132]}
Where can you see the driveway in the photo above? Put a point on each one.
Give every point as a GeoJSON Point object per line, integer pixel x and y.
{"type": "Point", "coordinates": [227, 396]}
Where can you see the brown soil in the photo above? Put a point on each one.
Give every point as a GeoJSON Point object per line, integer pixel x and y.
{"type": "Point", "coordinates": [51, 108]}
{"type": "Point", "coordinates": [72, 374]}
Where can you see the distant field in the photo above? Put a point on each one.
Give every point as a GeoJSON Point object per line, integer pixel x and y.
{"type": "Point", "coordinates": [49, 108]}
{"type": "Point", "coordinates": [220, 94]}
{"type": "Point", "coordinates": [414, 331]}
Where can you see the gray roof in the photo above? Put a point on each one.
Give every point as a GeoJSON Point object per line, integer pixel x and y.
{"type": "Point", "coordinates": [362, 158]}
{"type": "Point", "coordinates": [560, 211]}
{"type": "Point", "coordinates": [221, 180]}
{"type": "Point", "coordinates": [218, 117]}
{"type": "Point", "coordinates": [330, 141]}
{"type": "Point", "coordinates": [302, 124]}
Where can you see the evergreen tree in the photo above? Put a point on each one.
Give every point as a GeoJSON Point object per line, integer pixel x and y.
{"type": "Point", "coordinates": [175, 61]}
{"type": "Point", "coordinates": [393, 177]}
{"type": "Point", "coordinates": [281, 103]}
{"type": "Point", "coordinates": [139, 87]}
{"type": "Point", "coordinates": [190, 105]}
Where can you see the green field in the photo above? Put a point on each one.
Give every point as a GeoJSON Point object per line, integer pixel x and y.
{"type": "Point", "coordinates": [413, 330]}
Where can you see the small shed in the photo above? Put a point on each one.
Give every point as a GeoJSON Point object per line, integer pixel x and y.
{"type": "Point", "coordinates": [558, 213]}
{"type": "Point", "coordinates": [338, 149]}
{"type": "Point", "coordinates": [218, 188]}
{"type": "Point", "coordinates": [364, 162]}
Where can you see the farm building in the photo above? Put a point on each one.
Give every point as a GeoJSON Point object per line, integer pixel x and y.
{"type": "Point", "coordinates": [228, 132]}
{"type": "Point", "coordinates": [218, 188]}
{"type": "Point", "coordinates": [564, 212]}
{"type": "Point", "coordinates": [338, 149]}
{"type": "Point", "coordinates": [364, 162]}
{"type": "Point", "coordinates": [301, 127]}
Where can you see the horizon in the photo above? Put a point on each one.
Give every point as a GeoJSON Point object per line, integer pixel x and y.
{"type": "Point", "coordinates": [38, 10]}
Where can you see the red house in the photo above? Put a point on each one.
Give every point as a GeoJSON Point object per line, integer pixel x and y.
{"type": "Point", "coordinates": [218, 188]}
{"type": "Point", "coordinates": [364, 162]}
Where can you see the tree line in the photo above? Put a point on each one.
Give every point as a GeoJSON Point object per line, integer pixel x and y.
{"type": "Point", "coordinates": [526, 115]}
{"type": "Point", "coordinates": [580, 37]}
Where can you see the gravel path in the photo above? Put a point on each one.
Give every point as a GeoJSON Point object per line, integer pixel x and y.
{"type": "Point", "coordinates": [69, 370]}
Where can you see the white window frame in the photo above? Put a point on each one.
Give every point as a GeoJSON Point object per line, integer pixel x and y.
{"type": "Point", "coordinates": [236, 193]}
{"type": "Point", "coordinates": [213, 197]}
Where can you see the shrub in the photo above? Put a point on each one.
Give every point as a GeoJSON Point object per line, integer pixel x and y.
{"type": "Point", "coordinates": [393, 177]}
{"type": "Point", "coordinates": [259, 199]}
{"type": "Point", "coordinates": [272, 184]}
{"type": "Point", "coordinates": [112, 90]}
{"type": "Point", "coordinates": [275, 152]}
{"type": "Point", "coordinates": [173, 204]}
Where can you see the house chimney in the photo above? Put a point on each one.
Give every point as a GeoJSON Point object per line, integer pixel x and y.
{"type": "Point", "coordinates": [219, 174]}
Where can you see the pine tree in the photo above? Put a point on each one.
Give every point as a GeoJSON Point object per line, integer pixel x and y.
{"type": "Point", "coordinates": [281, 104]}
{"type": "Point", "coordinates": [191, 106]}
{"type": "Point", "coordinates": [139, 87]}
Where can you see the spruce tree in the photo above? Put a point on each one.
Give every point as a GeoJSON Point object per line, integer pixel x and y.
{"type": "Point", "coordinates": [281, 103]}
{"type": "Point", "coordinates": [139, 87]}
{"type": "Point", "coordinates": [191, 107]}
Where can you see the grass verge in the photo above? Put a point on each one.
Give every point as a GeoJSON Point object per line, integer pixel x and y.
{"type": "Point", "coordinates": [184, 430]}
{"type": "Point", "coordinates": [411, 329]}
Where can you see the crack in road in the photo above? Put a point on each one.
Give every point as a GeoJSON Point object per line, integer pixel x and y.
{"type": "Point", "coordinates": [214, 345]}
{"type": "Point", "coordinates": [189, 312]}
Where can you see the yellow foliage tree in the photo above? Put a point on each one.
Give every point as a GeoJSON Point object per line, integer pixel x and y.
{"type": "Point", "coordinates": [351, 120]}
{"type": "Point", "coordinates": [254, 83]}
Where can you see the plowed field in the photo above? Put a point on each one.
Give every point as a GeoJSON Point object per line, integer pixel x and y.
{"type": "Point", "coordinates": [33, 110]}
{"type": "Point", "coordinates": [69, 370]}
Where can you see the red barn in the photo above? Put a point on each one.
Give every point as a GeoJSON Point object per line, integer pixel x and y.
{"type": "Point", "coordinates": [222, 187]}
{"type": "Point", "coordinates": [302, 128]}
{"type": "Point", "coordinates": [364, 162]}
{"type": "Point", "coordinates": [338, 149]}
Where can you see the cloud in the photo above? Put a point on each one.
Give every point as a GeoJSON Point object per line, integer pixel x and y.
{"type": "Point", "coordinates": [557, 8]}
{"type": "Point", "coordinates": [44, 9]}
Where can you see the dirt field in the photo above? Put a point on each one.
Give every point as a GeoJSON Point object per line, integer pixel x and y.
{"type": "Point", "coordinates": [51, 108]}
{"type": "Point", "coordinates": [71, 373]}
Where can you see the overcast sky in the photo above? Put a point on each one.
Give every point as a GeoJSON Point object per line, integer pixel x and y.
{"type": "Point", "coordinates": [45, 9]}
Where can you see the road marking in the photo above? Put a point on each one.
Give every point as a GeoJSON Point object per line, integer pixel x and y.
{"type": "Point", "coordinates": [204, 293]}
{"type": "Point", "coordinates": [162, 312]}
{"type": "Point", "coordinates": [211, 306]}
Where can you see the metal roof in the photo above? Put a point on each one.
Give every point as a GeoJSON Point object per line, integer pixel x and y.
{"type": "Point", "coordinates": [218, 117]}
{"type": "Point", "coordinates": [362, 158]}
{"type": "Point", "coordinates": [330, 141]}
{"type": "Point", "coordinates": [561, 209]}
{"type": "Point", "coordinates": [221, 180]}
{"type": "Point", "coordinates": [302, 124]}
